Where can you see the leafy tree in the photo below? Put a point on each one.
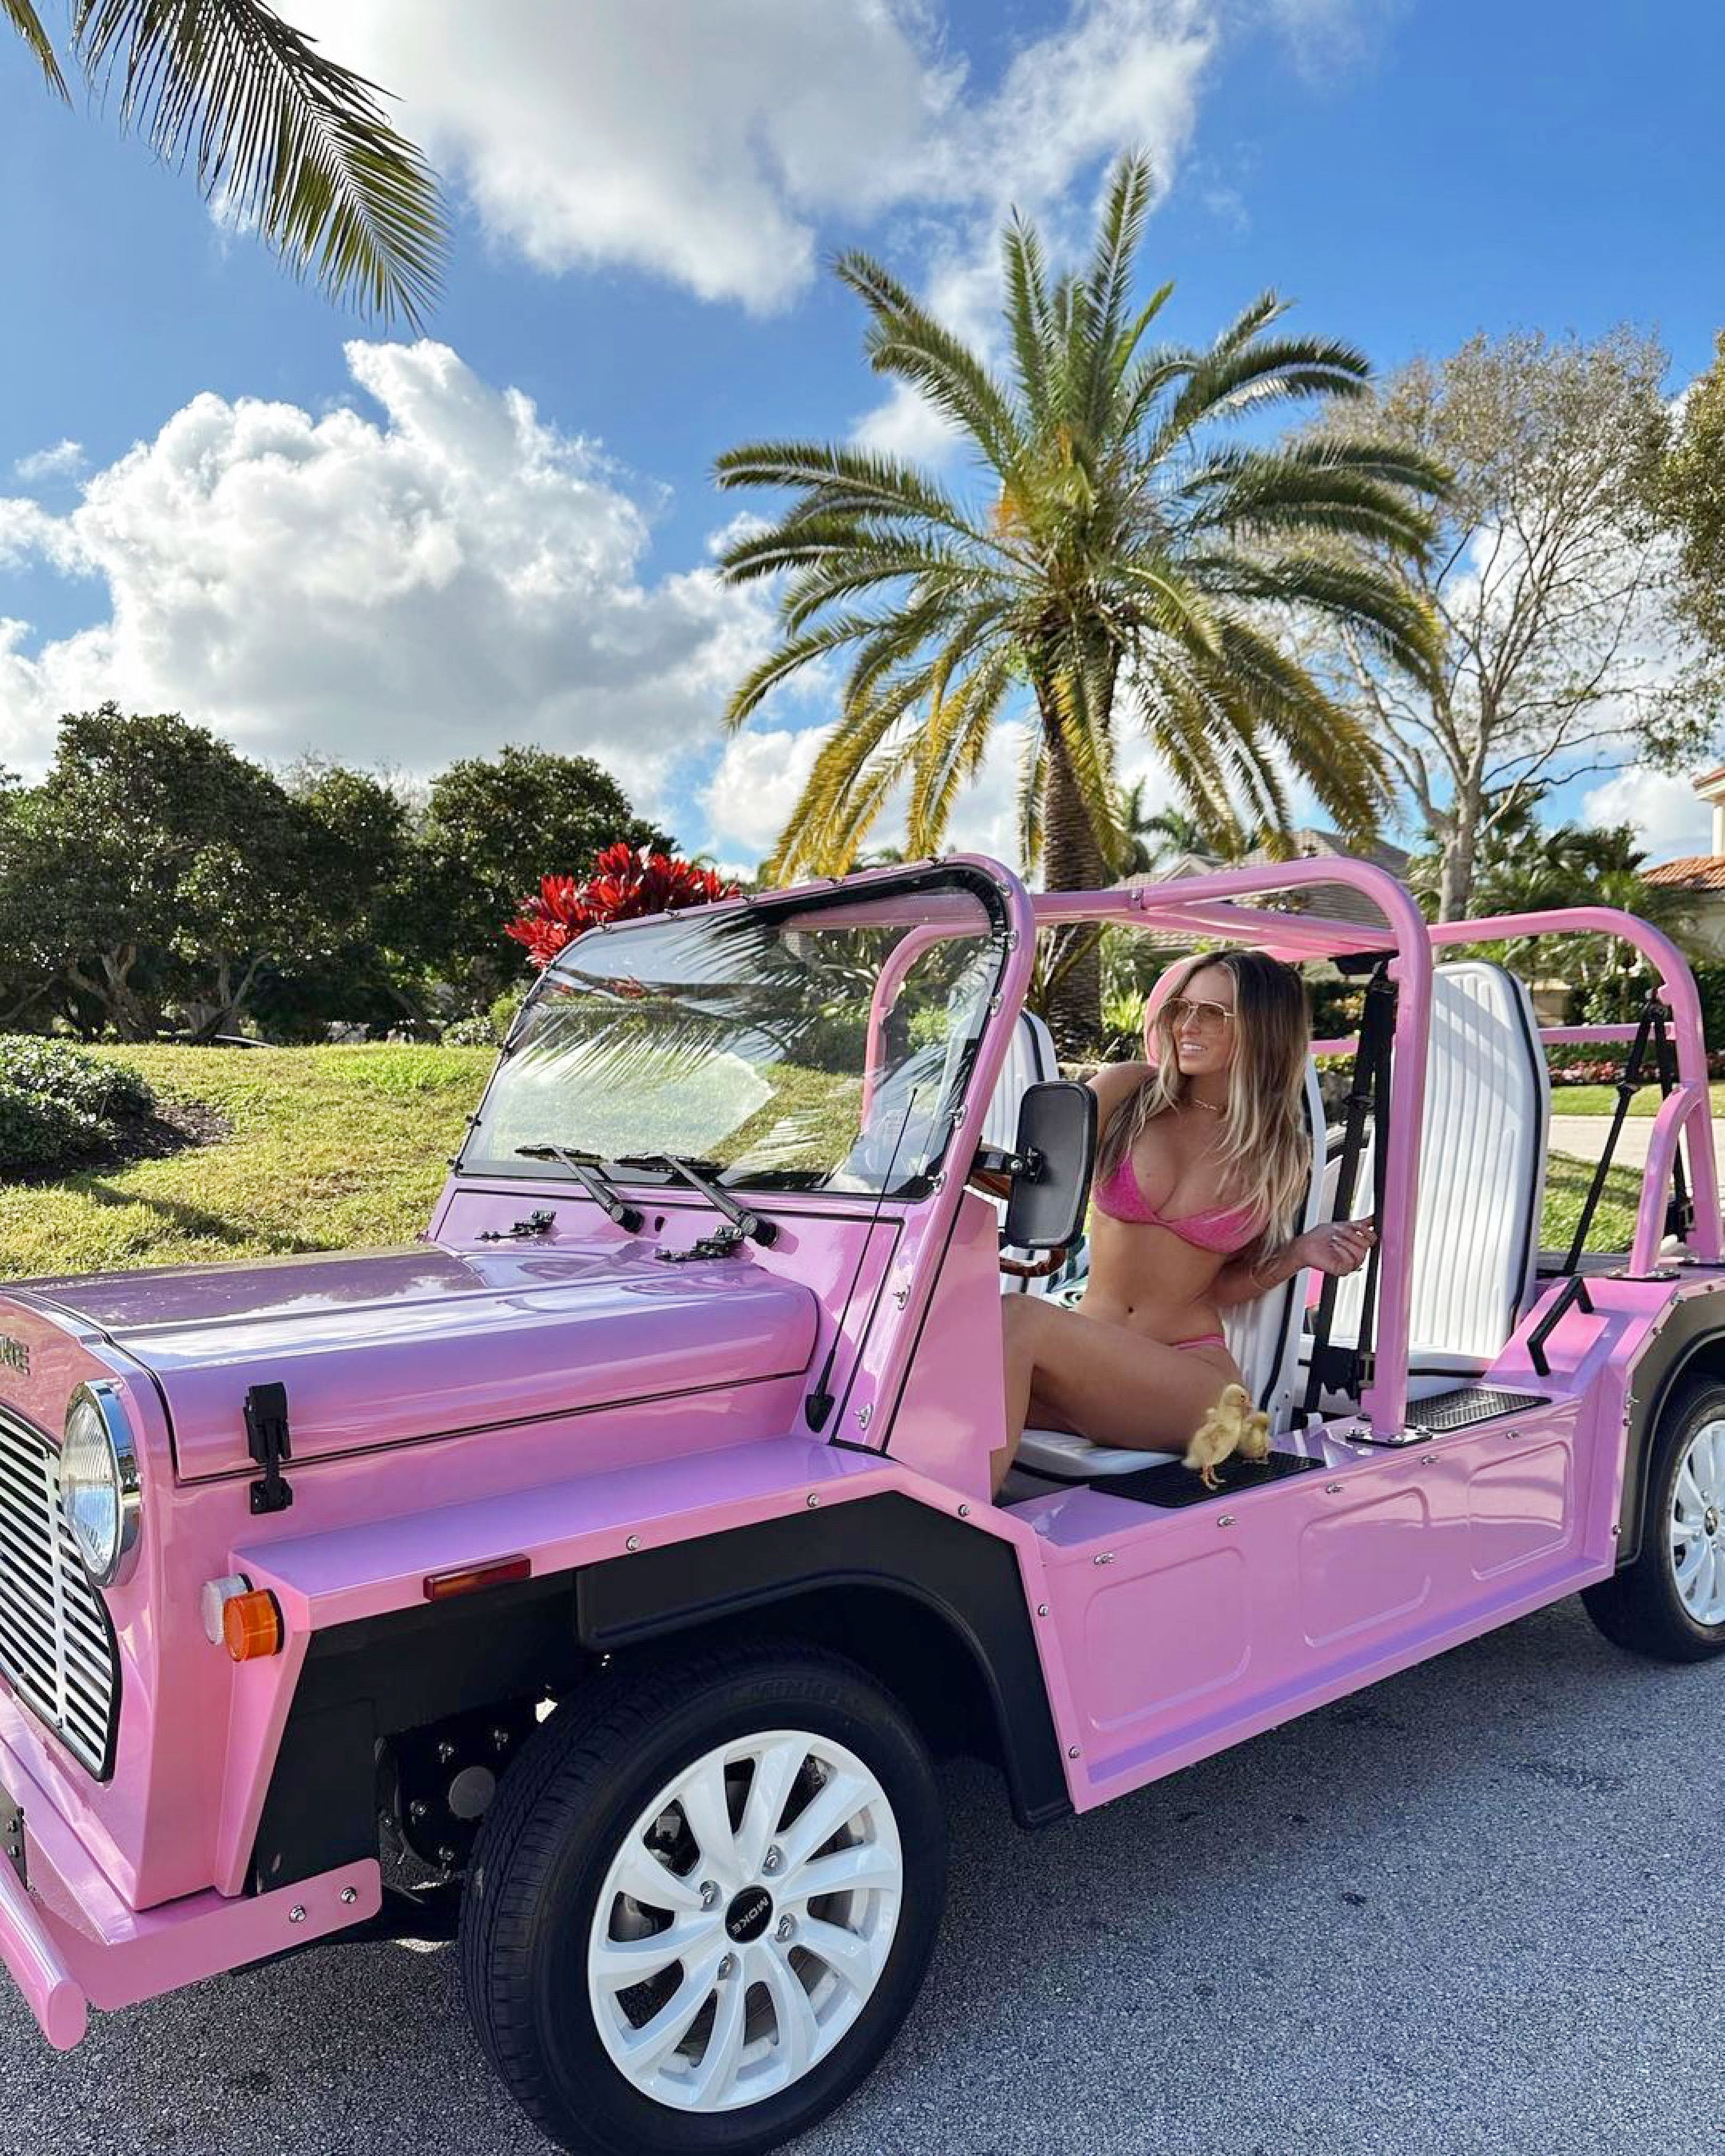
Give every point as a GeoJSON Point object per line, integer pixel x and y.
{"type": "Point", "coordinates": [296, 143]}
{"type": "Point", "coordinates": [492, 827]}
{"type": "Point", "coordinates": [154, 870]}
{"type": "Point", "coordinates": [360, 960]}
{"type": "Point", "coordinates": [1550, 582]}
{"type": "Point", "coordinates": [1690, 491]}
{"type": "Point", "coordinates": [1116, 561]}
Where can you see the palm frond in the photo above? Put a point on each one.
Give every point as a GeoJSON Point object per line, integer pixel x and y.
{"type": "Point", "coordinates": [25, 19]}
{"type": "Point", "coordinates": [1032, 794]}
{"type": "Point", "coordinates": [289, 138]}
{"type": "Point", "coordinates": [905, 341]}
{"type": "Point", "coordinates": [790, 657]}
{"type": "Point", "coordinates": [1118, 234]}
{"type": "Point", "coordinates": [844, 481]}
{"type": "Point", "coordinates": [1029, 318]}
{"type": "Point", "coordinates": [952, 752]}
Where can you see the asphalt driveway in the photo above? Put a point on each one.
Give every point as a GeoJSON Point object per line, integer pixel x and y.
{"type": "Point", "coordinates": [1479, 1907]}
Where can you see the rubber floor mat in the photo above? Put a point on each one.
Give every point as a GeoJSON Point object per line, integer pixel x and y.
{"type": "Point", "coordinates": [1172, 1485]}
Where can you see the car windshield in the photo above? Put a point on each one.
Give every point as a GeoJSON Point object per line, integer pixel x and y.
{"type": "Point", "coordinates": [793, 1043]}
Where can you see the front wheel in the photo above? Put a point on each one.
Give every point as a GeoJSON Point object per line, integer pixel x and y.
{"type": "Point", "coordinates": [1670, 1600]}
{"type": "Point", "coordinates": [703, 1902]}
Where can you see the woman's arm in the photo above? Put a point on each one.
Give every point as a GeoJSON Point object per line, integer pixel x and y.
{"type": "Point", "coordinates": [1338, 1247]}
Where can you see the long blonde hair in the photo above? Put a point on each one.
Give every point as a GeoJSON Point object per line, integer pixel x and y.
{"type": "Point", "coordinates": [1264, 1148]}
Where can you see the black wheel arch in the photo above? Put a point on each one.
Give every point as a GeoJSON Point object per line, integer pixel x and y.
{"type": "Point", "coordinates": [934, 1608]}
{"type": "Point", "coordinates": [931, 1606]}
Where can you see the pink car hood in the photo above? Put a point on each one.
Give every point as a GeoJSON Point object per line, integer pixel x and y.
{"type": "Point", "coordinates": [388, 1345]}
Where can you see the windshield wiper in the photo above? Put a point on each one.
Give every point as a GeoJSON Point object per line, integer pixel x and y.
{"type": "Point", "coordinates": [585, 1169]}
{"type": "Point", "coordinates": [757, 1226]}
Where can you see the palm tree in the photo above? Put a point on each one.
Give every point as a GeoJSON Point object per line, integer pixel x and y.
{"type": "Point", "coordinates": [1111, 564]}
{"type": "Point", "coordinates": [1152, 838]}
{"type": "Point", "coordinates": [293, 142]}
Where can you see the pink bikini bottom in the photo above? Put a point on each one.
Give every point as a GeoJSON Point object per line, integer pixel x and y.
{"type": "Point", "coordinates": [1200, 1340]}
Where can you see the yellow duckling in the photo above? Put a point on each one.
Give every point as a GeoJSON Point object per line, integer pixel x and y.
{"type": "Point", "coordinates": [1232, 1425]}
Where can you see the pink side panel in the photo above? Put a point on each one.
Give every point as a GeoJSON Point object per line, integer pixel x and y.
{"type": "Point", "coordinates": [953, 1413]}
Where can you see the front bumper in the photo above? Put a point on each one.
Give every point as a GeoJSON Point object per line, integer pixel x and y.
{"type": "Point", "coordinates": [71, 1941]}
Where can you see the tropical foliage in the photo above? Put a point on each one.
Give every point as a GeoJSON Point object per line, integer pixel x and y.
{"type": "Point", "coordinates": [1120, 561]}
{"type": "Point", "coordinates": [289, 142]}
{"type": "Point", "coordinates": [1525, 866]}
{"type": "Point", "coordinates": [624, 882]}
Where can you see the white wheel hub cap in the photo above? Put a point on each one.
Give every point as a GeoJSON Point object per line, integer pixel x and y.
{"type": "Point", "coordinates": [1697, 1526]}
{"type": "Point", "coordinates": [745, 1921]}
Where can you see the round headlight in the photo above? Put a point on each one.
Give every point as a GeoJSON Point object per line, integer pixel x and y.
{"type": "Point", "coordinates": [99, 1484]}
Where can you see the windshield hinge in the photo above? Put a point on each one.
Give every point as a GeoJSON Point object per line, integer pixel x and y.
{"type": "Point", "coordinates": [266, 1434]}
{"type": "Point", "coordinates": [719, 1245]}
{"type": "Point", "coordinates": [536, 1224]}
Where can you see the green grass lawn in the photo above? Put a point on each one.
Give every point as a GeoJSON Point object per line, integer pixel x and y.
{"type": "Point", "coordinates": [1566, 1186]}
{"type": "Point", "coordinates": [335, 1148]}
{"type": "Point", "coordinates": [331, 1148]}
{"type": "Point", "coordinates": [1601, 1099]}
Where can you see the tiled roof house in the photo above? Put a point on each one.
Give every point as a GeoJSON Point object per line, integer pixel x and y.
{"type": "Point", "coordinates": [1702, 876]}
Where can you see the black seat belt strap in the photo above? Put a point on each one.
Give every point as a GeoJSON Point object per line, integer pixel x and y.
{"type": "Point", "coordinates": [1371, 1069]}
{"type": "Point", "coordinates": [1627, 1087]}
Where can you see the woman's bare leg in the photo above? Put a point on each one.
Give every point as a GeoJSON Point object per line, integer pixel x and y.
{"type": "Point", "coordinates": [1105, 1382]}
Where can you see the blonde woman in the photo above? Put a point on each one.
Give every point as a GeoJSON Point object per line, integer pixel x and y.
{"type": "Point", "coordinates": [1202, 1172]}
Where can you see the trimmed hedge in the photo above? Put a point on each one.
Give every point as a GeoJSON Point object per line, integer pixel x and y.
{"type": "Point", "coordinates": [57, 1102]}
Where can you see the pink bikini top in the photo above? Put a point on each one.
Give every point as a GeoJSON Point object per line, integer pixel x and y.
{"type": "Point", "coordinates": [1225, 1229]}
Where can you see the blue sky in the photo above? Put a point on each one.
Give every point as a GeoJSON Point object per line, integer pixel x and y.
{"type": "Point", "coordinates": [401, 553]}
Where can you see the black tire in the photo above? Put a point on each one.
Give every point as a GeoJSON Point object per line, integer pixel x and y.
{"type": "Point", "coordinates": [560, 1815]}
{"type": "Point", "coordinates": [1640, 1608]}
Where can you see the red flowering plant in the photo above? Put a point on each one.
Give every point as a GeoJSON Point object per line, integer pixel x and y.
{"type": "Point", "coordinates": [623, 882]}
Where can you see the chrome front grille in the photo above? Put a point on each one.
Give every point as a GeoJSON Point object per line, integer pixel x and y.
{"type": "Point", "coordinates": [56, 1645]}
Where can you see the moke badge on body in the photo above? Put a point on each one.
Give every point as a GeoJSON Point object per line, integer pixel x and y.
{"type": "Point", "coordinates": [14, 1354]}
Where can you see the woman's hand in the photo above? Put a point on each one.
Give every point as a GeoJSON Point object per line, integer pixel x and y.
{"type": "Point", "coordinates": [1339, 1247]}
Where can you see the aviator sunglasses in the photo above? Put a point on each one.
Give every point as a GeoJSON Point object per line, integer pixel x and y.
{"type": "Point", "coordinates": [1208, 1018]}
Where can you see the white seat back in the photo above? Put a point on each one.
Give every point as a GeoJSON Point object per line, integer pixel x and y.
{"type": "Point", "coordinates": [1482, 1152]}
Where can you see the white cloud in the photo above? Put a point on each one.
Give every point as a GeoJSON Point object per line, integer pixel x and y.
{"type": "Point", "coordinates": [454, 576]}
{"type": "Point", "coordinates": [712, 145]}
{"type": "Point", "coordinates": [703, 143]}
{"type": "Point", "coordinates": [749, 799]}
{"type": "Point", "coordinates": [1670, 817]}
{"type": "Point", "coordinates": [64, 460]}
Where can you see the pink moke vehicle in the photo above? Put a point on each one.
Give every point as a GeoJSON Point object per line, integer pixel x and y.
{"type": "Point", "coordinates": [609, 1564]}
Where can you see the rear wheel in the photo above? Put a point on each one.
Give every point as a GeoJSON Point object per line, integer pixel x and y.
{"type": "Point", "coordinates": [702, 1905]}
{"type": "Point", "coordinates": [1670, 1600]}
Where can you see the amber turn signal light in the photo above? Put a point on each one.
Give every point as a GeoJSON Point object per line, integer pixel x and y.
{"type": "Point", "coordinates": [251, 1625]}
{"type": "Point", "coordinates": [469, 1578]}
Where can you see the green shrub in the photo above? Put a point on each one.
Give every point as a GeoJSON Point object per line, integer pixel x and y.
{"type": "Point", "coordinates": [502, 1013]}
{"type": "Point", "coordinates": [90, 1084]}
{"type": "Point", "coordinates": [473, 1031]}
{"type": "Point", "coordinates": [37, 1130]}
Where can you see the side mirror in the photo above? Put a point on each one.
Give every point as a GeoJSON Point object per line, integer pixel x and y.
{"type": "Point", "coordinates": [1057, 1142]}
